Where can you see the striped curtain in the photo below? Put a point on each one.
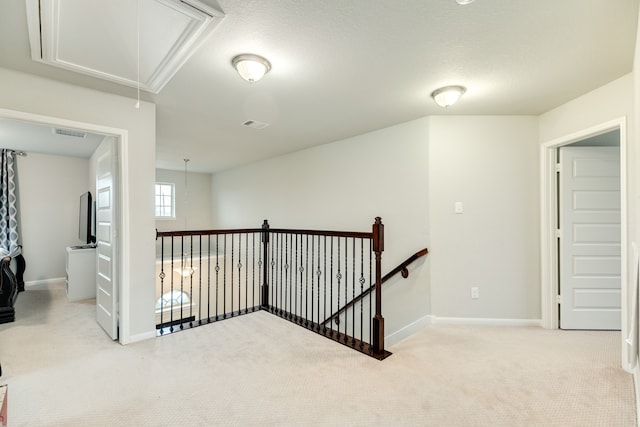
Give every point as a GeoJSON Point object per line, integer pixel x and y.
{"type": "Point", "coordinates": [9, 236]}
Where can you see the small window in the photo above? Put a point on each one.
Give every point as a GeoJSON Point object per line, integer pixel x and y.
{"type": "Point", "coordinates": [165, 200]}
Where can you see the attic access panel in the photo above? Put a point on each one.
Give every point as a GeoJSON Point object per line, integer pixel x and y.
{"type": "Point", "coordinates": [100, 38]}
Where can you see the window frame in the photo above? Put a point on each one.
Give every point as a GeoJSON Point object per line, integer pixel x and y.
{"type": "Point", "coordinates": [172, 201]}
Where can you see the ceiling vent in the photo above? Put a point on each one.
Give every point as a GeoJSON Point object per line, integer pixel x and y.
{"type": "Point", "coordinates": [69, 132]}
{"type": "Point", "coordinates": [116, 41]}
{"type": "Point", "coordinates": [255, 124]}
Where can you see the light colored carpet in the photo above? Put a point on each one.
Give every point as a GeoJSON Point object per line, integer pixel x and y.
{"type": "Point", "coordinates": [258, 369]}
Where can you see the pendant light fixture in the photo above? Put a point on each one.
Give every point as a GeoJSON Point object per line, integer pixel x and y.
{"type": "Point", "coordinates": [138, 52]}
{"type": "Point", "coordinates": [186, 194]}
{"type": "Point", "coordinates": [186, 268]}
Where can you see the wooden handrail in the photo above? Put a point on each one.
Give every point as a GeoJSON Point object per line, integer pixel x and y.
{"type": "Point", "coordinates": [402, 268]}
{"type": "Point", "coordinates": [354, 234]}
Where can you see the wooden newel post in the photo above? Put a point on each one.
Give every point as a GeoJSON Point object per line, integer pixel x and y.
{"type": "Point", "coordinates": [378, 320]}
{"type": "Point", "coordinates": [265, 255]}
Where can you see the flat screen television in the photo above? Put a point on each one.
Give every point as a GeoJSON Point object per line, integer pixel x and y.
{"type": "Point", "coordinates": [86, 229]}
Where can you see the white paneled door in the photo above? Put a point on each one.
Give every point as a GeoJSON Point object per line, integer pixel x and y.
{"type": "Point", "coordinates": [589, 217]}
{"type": "Point", "coordinates": [107, 286]}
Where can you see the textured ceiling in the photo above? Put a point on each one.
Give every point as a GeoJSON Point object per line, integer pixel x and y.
{"type": "Point", "coordinates": [346, 67]}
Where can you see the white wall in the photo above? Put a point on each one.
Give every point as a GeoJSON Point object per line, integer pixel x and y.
{"type": "Point", "coordinates": [344, 186]}
{"type": "Point", "coordinates": [197, 202]}
{"type": "Point", "coordinates": [50, 189]}
{"type": "Point", "coordinates": [601, 105]}
{"type": "Point", "coordinates": [50, 99]}
{"type": "Point", "coordinates": [490, 164]}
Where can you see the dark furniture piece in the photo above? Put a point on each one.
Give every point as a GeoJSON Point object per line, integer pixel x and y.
{"type": "Point", "coordinates": [10, 285]}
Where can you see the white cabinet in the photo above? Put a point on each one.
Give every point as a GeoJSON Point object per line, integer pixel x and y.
{"type": "Point", "coordinates": [81, 273]}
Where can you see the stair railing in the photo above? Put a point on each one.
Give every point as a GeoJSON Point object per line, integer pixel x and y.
{"type": "Point", "coordinates": [402, 268]}
{"type": "Point", "coordinates": [299, 275]}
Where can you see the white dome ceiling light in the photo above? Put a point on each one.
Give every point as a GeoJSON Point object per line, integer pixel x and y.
{"type": "Point", "coordinates": [251, 67]}
{"type": "Point", "coordinates": [448, 95]}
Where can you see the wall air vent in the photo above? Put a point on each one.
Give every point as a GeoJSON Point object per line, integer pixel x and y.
{"type": "Point", "coordinates": [69, 132]}
{"type": "Point", "coordinates": [255, 124]}
{"type": "Point", "coordinates": [139, 44]}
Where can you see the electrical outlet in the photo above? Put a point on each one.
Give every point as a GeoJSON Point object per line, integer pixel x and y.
{"type": "Point", "coordinates": [475, 292]}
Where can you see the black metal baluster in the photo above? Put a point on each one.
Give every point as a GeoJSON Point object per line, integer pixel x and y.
{"type": "Point", "coordinates": [275, 283]}
{"type": "Point", "coordinates": [370, 293]}
{"type": "Point", "coordinates": [231, 268]}
{"type": "Point", "coordinates": [274, 267]}
{"type": "Point", "coordinates": [346, 286]}
{"type": "Point", "coordinates": [172, 283]}
{"type": "Point", "coordinates": [318, 274]}
{"type": "Point", "coordinates": [280, 268]}
{"type": "Point", "coordinates": [301, 270]}
{"type": "Point", "coordinates": [200, 281]}
{"type": "Point", "coordinates": [292, 273]}
{"type": "Point", "coordinates": [362, 281]}
{"type": "Point", "coordinates": [286, 309]}
{"type": "Point", "coordinates": [331, 292]}
{"type": "Point", "coordinates": [306, 282]}
{"type": "Point", "coordinates": [246, 273]}
{"type": "Point", "coordinates": [311, 274]}
{"type": "Point", "coordinates": [224, 278]}
{"type": "Point", "coordinates": [260, 266]}
{"type": "Point", "coordinates": [240, 273]}
{"type": "Point", "coordinates": [283, 275]}
{"type": "Point", "coordinates": [209, 278]}
{"type": "Point", "coordinates": [257, 247]}
{"type": "Point", "coordinates": [274, 294]}
{"type": "Point", "coordinates": [253, 272]}
{"type": "Point", "coordinates": [182, 256]}
{"type": "Point", "coordinates": [339, 278]}
{"type": "Point", "coordinates": [287, 285]}
{"type": "Point", "coordinates": [190, 270]}
{"type": "Point", "coordinates": [162, 276]}
{"type": "Point", "coordinates": [324, 315]}
{"type": "Point", "coordinates": [353, 294]}
{"type": "Point", "coordinates": [217, 274]}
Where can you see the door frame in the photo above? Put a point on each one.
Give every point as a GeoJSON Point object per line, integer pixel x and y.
{"type": "Point", "coordinates": [548, 239]}
{"type": "Point", "coordinates": [122, 207]}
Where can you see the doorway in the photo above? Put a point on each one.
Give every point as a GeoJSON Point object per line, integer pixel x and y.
{"type": "Point", "coordinates": [119, 137]}
{"type": "Point", "coordinates": [549, 233]}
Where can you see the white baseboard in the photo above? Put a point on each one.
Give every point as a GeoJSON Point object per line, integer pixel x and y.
{"type": "Point", "coordinates": [138, 337]}
{"type": "Point", "coordinates": [419, 324]}
{"type": "Point", "coordinates": [484, 321]}
{"type": "Point", "coordinates": [44, 283]}
{"type": "Point", "coordinates": [407, 331]}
